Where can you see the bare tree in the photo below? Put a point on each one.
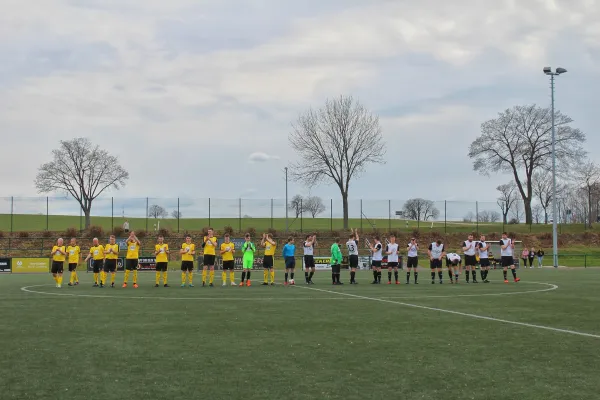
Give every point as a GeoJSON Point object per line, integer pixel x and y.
{"type": "Point", "coordinates": [484, 216]}
{"type": "Point", "coordinates": [469, 217]}
{"type": "Point", "coordinates": [156, 211]}
{"type": "Point", "coordinates": [588, 177]}
{"type": "Point", "coordinates": [420, 209]}
{"type": "Point", "coordinates": [519, 142]}
{"type": "Point", "coordinates": [537, 211]}
{"type": "Point", "coordinates": [314, 205]}
{"type": "Point", "coordinates": [82, 170]}
{"type": "Point", "coordinates": [494, 216]}
{"type": "Point", "coordinates": [336, 143]}
{"type": "Point", "coordinates": [176, 214]}
{"type": "Point", "coordinates": [516, 211]}
{"type": "Point", "coordinates": [297, 205]}
{"type": "Point", "coordinates": [542, 189]}
{"type": "Point", "coordinates": [508, 195]}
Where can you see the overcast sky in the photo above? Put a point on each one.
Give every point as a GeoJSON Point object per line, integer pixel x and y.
{"type": "Point", "coordinates": [176, 87]}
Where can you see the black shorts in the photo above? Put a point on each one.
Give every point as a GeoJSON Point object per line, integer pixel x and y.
{"type": "Point", "coordinates": [435, 263]}
{"type": "Point", "coordinates": [507, 261]}
{"type": "Point", "coordinates": [470, 261]}
{"type": "Point", "coordinates": [268, 262]}
{"type": "Point", "coordinates": [161, 266]}
{"type": "Point", "coordinates": [228, 265]}
{"type": "Point", "coordinates": [187, 265]}
{"type": "Point", "coordinates": [392, 264]}
{"type": "Point", "coordinates": [97, 265]}
{"type": "Point", "coordinates": [110, 265]}
{"type": "Point", "coordinates": [353, 260]}
{"type": "Point", "coordinates": [452, 263]}
{"type": "Point", "coordinates": [309, 261]}
{"type": "Point", "coordinates": [209, 260]}
{"type": "Point", "coordinates": [290, 262]}
{"type": "Point", "coordinates": [131, 264]}
{"type": "Point", "coordinates": [376, 264]}
{"type": "Point", "coordinates": [484, 262]}
{"type": "Point", "coordinates": [412, 262]}
{"type": "Point", "coordinates": [57, 267]}
{"type": "Point", "coordinates": [72, 267]}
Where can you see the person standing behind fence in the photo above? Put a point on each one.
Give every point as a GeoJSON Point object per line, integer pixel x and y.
{"type": "Point", "coordinates": [289, 257]}
{"type": "Point", "coordinates": [111, 251]}
{"type": "Point", "coordinates": [531, 256]}
{"type": "Point", "coordinates": [58, 261]}
{"type": "Point", "coordinates": [540, 256]}
{"type": "Point", "coordinates": [336, 262]}
{"type": "Point", "coordinates": [188, 252]}
{"type": "Point", "coordinates": [126, 226]}
{"type": "Point", "coordinates": [524, 256]}
{"type": "Point", "coordinates": [412, 261]}
{"type": "Point", "coordinates": [97, 255]}
{"type": "Point", "coordinates": [74, 253]}
{"type": "Point", "coordinates": [268, 260]}
{"type": "Point", "coordinates": [352, 245]}
{"type": "Point", "coordinates": [209, 244]}
{"type": "Point", "coordinates": [132, 259]}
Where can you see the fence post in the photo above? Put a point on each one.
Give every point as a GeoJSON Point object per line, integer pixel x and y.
{"type": "Point", "coordinates": [209, 211]}
{"type": "Point", "coordinates": [477, 214]}
{"type": "Point", "coordinates": [178, 216]}
{"type": "Point", "coordinates": [271, 213]}
{"type": "Point", "coordinates": [389, 215]}
{"type": "Point", "coordinates": [240, 214]}
{"type": "Point", "coordinates": [12, 205]}
{"type": "Point", "coordinates": [301, 215]}
{"type": "Point", "coordinates": [361, 214]}
{"type": "Point", "coordinates": [42, 248]}
{"type": "Point", "coordinates": [445, 219]}
{"type": "Point", "coordinates": [112, 214]}
{"type": "Point", "coordinates": [331, 214]}
{"type": "Point", "coordinates": [146, 214]}
{"type": "Point", "coordinates": [80, 219]}
{"type": "Point", "coordinates": [47, 213]}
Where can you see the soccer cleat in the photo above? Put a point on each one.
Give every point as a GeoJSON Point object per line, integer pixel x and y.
{"type": "Point", "coordinates": [441, 282]}
{"type": "Point", "coordinates": [59, 286]}
{"type": "Point", "coordinates": [475, 281]}
{"type": "Point", "coordinates": [397, 283]}
{"type": "Point", "coordinates": [101, 285]}
{"type": "Point", "coordinates": [241, 284]}
{"type": "Point", "coordinates": [211, 285]}
{"type": "Point", "coordinates": [452, 282]}
{"type": "Point", "coordinates": [224, 284]}
{"type": "Point", "coordinates": [183, 285]}
{"type": "Point", "coordinates": [517, 279]}
{"type": "Point", "coordinates": [506, 281]}
{"type": "Point", "coordinates": [272, 283]}
{"type": "Point", "coordinates": [248, 284]}
{"type": "Point", "coordinates": [135, 286]}
{"type": "Point", "coordinates": [95, 285]}
{"type": "Point", "coordinates": [407, 283]}
{"type": "Point", "coordinates": [233, 284]}
{"type": "Point", "coordinates": [124, 285]}
{"type": "Point", "coordinates": [285, 284]}
{"type": "Point", "coordinates": [203, 284]}
{"type": "Point", "coordinates": [190, 285]}
{"type": "Point", "coordinates": [374, 283]}
{"type": "Point", "coordinates": [70, 284]}
{"type": "Point", "coordinates": [389, 282]}
{"type": "Point", "coordinates": [76, 283]}
{"type": "Point", "coordinates": [265, 284]}
{"type": "Point", "coordinates": [292, 282]}
{"type": "Point", "coordinates": [112, 285]}
{"type": "Point", "coordinates": [486, 281]}
{"type": "Point", "coordinates": [165, 285]}
{"type": "Point", "coordinates": [433, 282]}
{"type": "Point", "coordinates": [416, 283]}
{"type": "Point", "coordinates": [156, 285]}
{"type": "Point", "coordinates": [311, 282]}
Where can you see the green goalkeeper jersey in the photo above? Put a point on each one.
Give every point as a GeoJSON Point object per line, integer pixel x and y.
{"type": "Point", "coordinates": [248, 249]}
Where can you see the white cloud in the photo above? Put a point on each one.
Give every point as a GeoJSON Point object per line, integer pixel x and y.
{"type": "Point", "coordinates": [261, 157]}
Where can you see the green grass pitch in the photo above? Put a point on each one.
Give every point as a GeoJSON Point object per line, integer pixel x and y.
{"type": "Point", "coordinates": [318, 342]}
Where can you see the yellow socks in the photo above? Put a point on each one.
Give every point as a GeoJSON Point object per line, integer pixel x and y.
{"type": "Point", "coordinates": [55, 277]}
{"type": "Point", "coordinates": [165, 277]}
{"type": "Point", "coordinates": [113, 275]}
{"type": "Point", "coordinates": [232, 276]}
{"type": "Point", "coordinates": [75, 277]}
{"type": "Point", "coordinates": [102, 277]}
{"type": "Point", "coordinates": [126, 276]}
{"type": "Point", "coordinates": [59, 279]}
{"type": "Point", "coordinates": [96, 277]}
{"type": "Point", "coordinates": [191, 276]}
{"type": "Point", "coordinates": [134, 277]}
{"type": "Point", "coordinates": [204, 276]}
{"type": "Point", "coordinates": [272, 276]}
{"type": "Point", "coordinates": [224, 277]}
{"type": "Point", "coordinates": [183, 278]}
{"type": "Point", "coordinates": [157, 277]}
{"type": "Point", "coordinates": [72, 278]}
{"type": "Point", "coordinates": [211, 276]}
{"type": "Point", "coordinates": [266, 275]}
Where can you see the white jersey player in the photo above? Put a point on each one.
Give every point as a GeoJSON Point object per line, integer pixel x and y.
{"type": "Point", "coordinates": [352, 246]}
{"type": "Point", "coordinates": [392, 259]}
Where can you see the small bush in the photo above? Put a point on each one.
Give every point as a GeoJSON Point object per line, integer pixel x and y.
{"type": "Point", "coordinates": [512, 235]}
{"type": "Point", "coordinates": [416, 233]}
{"type": "Point", "coordinates": [71, 233]}
{"type": "Point", "coordinates": [546, 236]}
{"type": "Point", "coordinates": [164, 232]}
{"type": "Point", "coordinates": [228, 229]}
{"type": "Point", "coordinates": [252, 232]}
{"type": "Point", "coordinates": [46, 234]}
{"type": "Point", "coordinates": [1, 235]}
{"type": "Point", "coordinates": [118, 231]}
{"type": "Point", "coordinates": [204, 231]}
{"type": "Point", "coordinates": [23, 235]}
{"type": "Point", "coordinates": [272, 231]}
{"type": "Point", "coordinates": [513, 221]}
{"type": "Point", "coordinates": [436, 234]}
{"type": "Point", "coordinates": [141, 234]}
{"type": "Point", "coordinates": [95, 231]}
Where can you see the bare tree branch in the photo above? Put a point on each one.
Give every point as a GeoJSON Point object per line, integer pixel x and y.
{"type": "Point", "coordinates": [507, 198]}
{"type": "Point", "coordinates": [420, 209]}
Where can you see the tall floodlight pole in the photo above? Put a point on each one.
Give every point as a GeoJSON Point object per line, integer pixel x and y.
{"type": "Point", "coordinates": [548, 71]}
{"type": "Point", "coordinates": [286, 200]}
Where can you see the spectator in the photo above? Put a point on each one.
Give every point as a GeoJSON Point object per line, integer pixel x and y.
{"type": "Point", "coordinates": [525, 256]}
{"type": "Point", "coordinates": [126, 226]}
{"type": "Point", "coordinates": [540, 257]}
{"type": "Point", "coordinates": [531, 257]}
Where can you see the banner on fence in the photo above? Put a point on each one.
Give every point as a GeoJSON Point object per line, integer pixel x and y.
{"type": "Point", "coordinates": [4, 265]}
{"type": "Point", "coordinates": [30, 265]}
{"type": "Point", "coordinates": [238, 263]}
{"type": "Point", "coordinates": [120, 264]}
{"type": "Point", "coordinates": [147, 263]}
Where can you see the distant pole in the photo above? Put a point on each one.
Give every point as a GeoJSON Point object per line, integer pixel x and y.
{"type": "Point", "coordinates": [389, 215]}
{"type": "Point", "coordinates": [287, 226]}
{"type": "Point", "coordinates": [445, 218]}
{"type": "Point", "coordinates": [112, 214]}
{"type": "Point", "coordinates": [146, 214]}
{"type": "Point", "coordinates": [301, 215]}
{"type": "Point", "coordinates": [12, 209]}
{"type": "Point", "coordinates": [361, 214]}
{"type": "Point", "coordinates": [331, 214]}
{"type": "Point", "coordinates": [80, 219]}
{"type": "Point", "coordinates": [209, 211]}
{"type": "Point", "coordinates": [240, 214]}
{"type": "Point", "coordinates": [271, 213]}
{"type": "Point", "coordinates": [47, 213]}
{"type": "Point", "coordinates": [477, 214]}
{"type": "Point", "coordinates": [178, 215]}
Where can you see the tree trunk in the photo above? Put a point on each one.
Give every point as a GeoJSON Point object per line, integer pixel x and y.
{"type": "Point", "coordinates": [545, 216]}
{"type": "Point", "coordinates": [590, 207]}
{"type": "Point", "coordinates": [88, 220]}
{"type": "Point", "coordinates": [528, 213]}
{"type": "Point", "coordinates": [345, 207]}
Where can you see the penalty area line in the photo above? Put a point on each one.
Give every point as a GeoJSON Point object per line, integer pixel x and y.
{"type": "Point", "coordinates": [482, 317]}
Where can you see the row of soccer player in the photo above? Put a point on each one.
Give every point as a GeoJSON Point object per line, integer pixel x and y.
{"type": "Point", "coordinates": [105, 259]}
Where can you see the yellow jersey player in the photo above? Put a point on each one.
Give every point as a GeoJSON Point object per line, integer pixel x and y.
{"type": "Point", "coordinates": [188, 251]}
{"type": "Point", "coordinates": [132, 259]}
{"type": "Point", "coordinates": [97, 255]}
{"type": "Point", "coordinates": [227, 252]}
{"type": "Point", "coordinates": [268, 260]}
{"type": "Point", "coordinates": [210, 246]}
{"type": "Point", "coordinates": [58, 261]}
{"type": "Point", "coordinates": [74, 253]}
{"type": "Point", "coordinates": [111, 253]}
{"type": "Point", "coordinates": [161, 251]}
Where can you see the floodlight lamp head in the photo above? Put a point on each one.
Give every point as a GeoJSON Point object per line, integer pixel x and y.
{"type": "Point", "coordinates": [547, 70]}
{"type": "Point", "coordinates": [560, 71]}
